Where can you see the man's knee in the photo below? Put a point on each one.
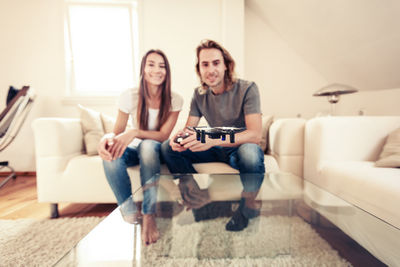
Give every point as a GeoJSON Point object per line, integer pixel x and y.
{"type": "Point", "coordinates": [251, 157]}
{"type": "Point", "coordinates": [165, 148]}
{"type": "Point", "coordinates": [251, 151]}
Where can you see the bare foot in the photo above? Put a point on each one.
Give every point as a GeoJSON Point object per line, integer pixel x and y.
{"type": "Point", "coordinates": [150, 233]}
{"type": "Point", "coordinates": [134, 218]}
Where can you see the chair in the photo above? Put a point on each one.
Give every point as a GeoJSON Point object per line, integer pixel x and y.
{"type": "Point", "coordinates": [18, 105]}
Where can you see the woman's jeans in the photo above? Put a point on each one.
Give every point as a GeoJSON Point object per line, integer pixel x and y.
{"type": "Point", "coordinates": [147, 154]}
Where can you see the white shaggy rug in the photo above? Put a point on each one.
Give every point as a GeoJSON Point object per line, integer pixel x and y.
{"type": "Point", "coordinates": [31, 242]}
{"type": "Point", "coordinates": [267, 241]}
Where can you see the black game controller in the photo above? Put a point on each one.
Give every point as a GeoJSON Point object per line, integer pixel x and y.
{"type": "Point", "coordinates": [180, 138]}
{"type": "Point", "coordinates": [216, 132]}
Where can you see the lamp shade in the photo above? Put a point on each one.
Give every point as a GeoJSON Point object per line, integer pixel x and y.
{"type": "Point", "coordinates": [335, 89]}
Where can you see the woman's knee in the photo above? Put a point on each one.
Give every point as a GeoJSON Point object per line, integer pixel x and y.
{"type": "Point", "coordinates": [114, 164]}
{"type": "Point", "coordinates": [150, 144]}
{"type": "Point", "coordinates": [149, 150]}
{"type": "Point", "coordinates": [115, 170]}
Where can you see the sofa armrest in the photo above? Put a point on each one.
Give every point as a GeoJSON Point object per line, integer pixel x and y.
{"type": "Point", "coordinates": [286, 144]}
{"type": "Point", "coordinates": [358, 138]}
{"type": "Point", "coordinates": [57, 137]}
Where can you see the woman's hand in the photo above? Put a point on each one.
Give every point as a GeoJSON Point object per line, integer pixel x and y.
{"type": "Point", "coordinates": [103, 146]}
{"type": "Point", "coordinates": [120, 142]}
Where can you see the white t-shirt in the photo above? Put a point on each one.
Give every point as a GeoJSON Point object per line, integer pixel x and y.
{"type": "Point", "coordinates": [128, 102]}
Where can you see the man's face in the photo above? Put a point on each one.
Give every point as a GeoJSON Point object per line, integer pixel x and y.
{"type": "Point", "coordinates": [212, 67]}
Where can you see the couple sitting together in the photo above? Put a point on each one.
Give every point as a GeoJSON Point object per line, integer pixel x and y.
{"type": "Point", "coordinates": [221, 98]}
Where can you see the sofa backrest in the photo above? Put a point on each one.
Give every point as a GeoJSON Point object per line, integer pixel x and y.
{"type": "Point", "coordinates": [286, 144]}
{"type": "Point", "coordinates": [350, 138]}
{"type": "Point", "coordinates": [286, 140]}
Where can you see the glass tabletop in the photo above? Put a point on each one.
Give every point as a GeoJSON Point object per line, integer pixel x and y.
{"type": "Point", "coordinates": [192, 216]}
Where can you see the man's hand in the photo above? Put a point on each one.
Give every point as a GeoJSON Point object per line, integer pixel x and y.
{"type": "Point", "coordinates": [192, 144]}
{"type": "Point", "coordinates": [179, 146]}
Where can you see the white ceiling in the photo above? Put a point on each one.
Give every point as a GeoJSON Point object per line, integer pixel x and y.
{"type": "Point", "coordinates": [356, 42]}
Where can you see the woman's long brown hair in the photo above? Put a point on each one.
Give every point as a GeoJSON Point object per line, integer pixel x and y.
{"type": "Point", "coordinates": [165, 104]}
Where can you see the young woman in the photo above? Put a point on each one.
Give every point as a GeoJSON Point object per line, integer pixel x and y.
{"type": "Point", "coordinates": [154, 110]}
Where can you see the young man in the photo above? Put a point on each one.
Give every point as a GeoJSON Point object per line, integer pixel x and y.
{"type": "Point", "coordinates": [223, 101]}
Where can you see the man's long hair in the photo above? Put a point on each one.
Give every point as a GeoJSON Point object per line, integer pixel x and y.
{"type": "Point", "coordinates": [165, 104]}
{"type": "Point", "coordinates": [229, 76]}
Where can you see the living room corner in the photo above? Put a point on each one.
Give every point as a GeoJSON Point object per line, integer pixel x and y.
{"type": "Point", "coordinates": [333, 166]}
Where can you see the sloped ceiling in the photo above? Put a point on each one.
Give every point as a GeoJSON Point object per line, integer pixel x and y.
{"type": "Point", "coordinates": [356, 42]}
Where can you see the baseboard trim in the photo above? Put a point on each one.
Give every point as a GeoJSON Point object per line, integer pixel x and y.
{"type": "Point", "coordinates": [4, 174]}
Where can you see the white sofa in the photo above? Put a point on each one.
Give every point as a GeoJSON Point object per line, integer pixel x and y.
{"type": "Point", "coordinates": [66, 174]}
{"type": "Point", "coordinates": [339, 157]}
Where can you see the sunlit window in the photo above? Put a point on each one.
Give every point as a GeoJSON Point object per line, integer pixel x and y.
{"type": "Point", "coordinates": [101, 47]}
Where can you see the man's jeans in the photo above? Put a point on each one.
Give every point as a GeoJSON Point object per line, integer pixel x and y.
{"type": "Point", "coordinates": [247, 158]}
{"type": "Point", "coordinates": [147, 154]}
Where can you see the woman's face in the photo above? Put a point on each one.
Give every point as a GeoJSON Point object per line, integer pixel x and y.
{"type": "Point", "coordinates": [154, 70]}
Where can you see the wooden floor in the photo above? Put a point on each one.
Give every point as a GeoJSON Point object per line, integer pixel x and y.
{"type": "Point", "coordinates": [18, 200]}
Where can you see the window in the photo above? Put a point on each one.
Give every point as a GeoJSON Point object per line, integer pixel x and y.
{"type": "Point", "coordinates": [101, 40]}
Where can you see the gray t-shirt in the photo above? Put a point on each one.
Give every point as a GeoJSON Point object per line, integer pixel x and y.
{"type": "Point", "coordinates": [229, 108]}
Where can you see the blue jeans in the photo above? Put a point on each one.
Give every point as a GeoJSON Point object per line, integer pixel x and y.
{"type": "Point", "coordinates": [147, 154]}
{"type": "Point", "coordinates": [247, 158]}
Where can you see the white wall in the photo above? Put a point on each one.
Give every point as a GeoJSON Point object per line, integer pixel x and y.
{"type": "Point", "coordinates": [372, 103]}
{"type": "Point", "coordinates": [287, 82]}
{"type": "Point", "coordinates": [351, 42]}
{"type": "Point", "coordinates": [177, 26]}
{"type": "Point", "coordinates": [32, 53]}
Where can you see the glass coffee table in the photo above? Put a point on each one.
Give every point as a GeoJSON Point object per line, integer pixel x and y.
{"type": "Point", "coordinates": [192, 216]}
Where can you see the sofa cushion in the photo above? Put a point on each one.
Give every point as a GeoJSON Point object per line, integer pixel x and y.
{"type": "Point", "coordinates": [92, 128]}
{"type": "Point", "coordinates": [266, 123]}
{"type": "Point", "coordinates": [88, 171]}
{"type": "Point", "coordinates": [390, 155]}
{"type": "Point", "coordinates": [108, 123]}
{"type": "Point", "coordinates": [375, 190]}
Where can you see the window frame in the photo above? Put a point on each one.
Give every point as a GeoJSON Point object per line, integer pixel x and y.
{"type": "Point", "coordinates": [73, 95]}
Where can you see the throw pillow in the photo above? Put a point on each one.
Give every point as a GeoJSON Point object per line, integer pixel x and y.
{"type": "Point", "coordinates": [390, 155]}
{"type": "Point", "coordinates": [92, 128]}
{"type": "Point", "coordinates": [108, 123]}
{"type": "Point", "coordinates": [266, 123]}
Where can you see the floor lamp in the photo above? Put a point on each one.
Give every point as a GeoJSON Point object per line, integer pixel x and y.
{"type": "Point", "coordinates": [333, 92]}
